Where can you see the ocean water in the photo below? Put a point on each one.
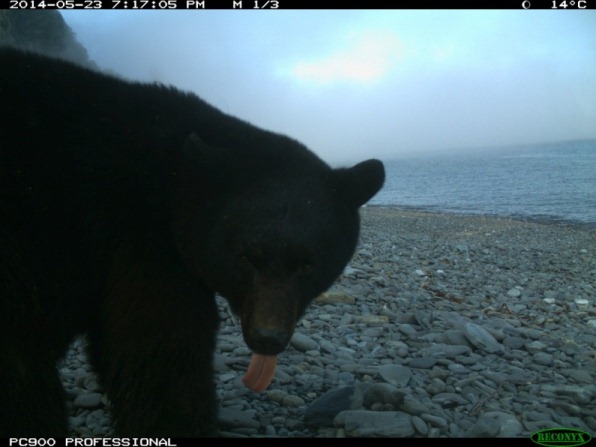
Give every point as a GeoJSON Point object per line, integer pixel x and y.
{"type": "Point", "coordinates": [545, 182]}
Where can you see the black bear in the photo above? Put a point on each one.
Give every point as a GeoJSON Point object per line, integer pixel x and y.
{"type": "Point", "coordinates": [124, 208]}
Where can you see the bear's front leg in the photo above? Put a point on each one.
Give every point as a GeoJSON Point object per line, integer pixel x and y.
{"type": "Point", "coordinates": [32, 400]}
{"type": "Point", "coordinates": [153, 349]}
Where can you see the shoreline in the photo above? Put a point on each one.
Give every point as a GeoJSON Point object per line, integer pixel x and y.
{"type": "Point", "coordinates": [544, 220]}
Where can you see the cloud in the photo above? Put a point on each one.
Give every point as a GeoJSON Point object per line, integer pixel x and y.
{"type": "Point", "coordinates": [370, 56]}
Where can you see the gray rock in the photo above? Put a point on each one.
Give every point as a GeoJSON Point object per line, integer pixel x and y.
{"type": "Point", "coordinates": [423, 362]}
{"type": "Point", "coordinates": [396, 375]}
{"type": "Point", "coordinates": [419, 425]}
{"type": "Point", "coordinates": [457, 368]}
{"type": "Point", "coordinates": [407, 329]}
{"type": "Point", "coordinates": [456, 337]}
{"type": "Point", "coordinates": [91, 384]}
{"type": "Point", "coordinates": [76, 421]}
{"type": "Point", "coordinates": [579, 375]}
{"type": "Point", "coordinates": [535, 346]}
{"type": "Point", "coordinates": [449, 399]}
{"type": "Point", "coordinates": [482, 339]}
{"type": "Point", "coordinates": [581, 394]}
{"type": "Point", "coordinates": [519, 376]}
{"type": "Point", "coordinates": [226, 377]}
{"type": "Point", "coordinates": [88, 400]}
{"type": "Point", "coordinates": [497, 377]}
{"type": "Point", "coordinates": [303, 342]}
{"type": "Point", "coordinates": [497, 424]}
{"type": "Point", "coordinates": [531, 333]}
{"type": "Point", "coordinates": [445, 351]}
{"type": "Point", "coordinates": [436, 386]}
{"type": "Point", "coordinates": [542, 358]}
{"type": "Point", "coordinates": [483, 428]}
{"type": "Point", "coordinates": [322, 411]}
{"type": "Point", "coordinates": [413, 406]}
{"type": "Point", "coordinates": [383, 393]}
{"type": "Point", "coordinates": [437, 421]}
{"type": "Point", "coordinates": [383, 424]}
{"type": "Point", "coordinates": [292, 400]}
{"type": "Point", "coordinates": [285, 399]}
{"type": "Point", "coordinates": [232, 418]}
{"type": "Point", "coordinates": [514, 293]}
{"type": "Point", "coordinates": [512, 342]}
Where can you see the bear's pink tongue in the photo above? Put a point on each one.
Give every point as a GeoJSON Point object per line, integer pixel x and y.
{"type": "Point", "coordinates": [260, 372]}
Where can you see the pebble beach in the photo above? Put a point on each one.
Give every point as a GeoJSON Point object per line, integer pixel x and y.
{"type": "Point", "coordinates": [442, 325]}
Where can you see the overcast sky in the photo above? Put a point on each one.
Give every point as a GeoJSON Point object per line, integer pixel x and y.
{"type": "Point", "coordinates": [355, 84]}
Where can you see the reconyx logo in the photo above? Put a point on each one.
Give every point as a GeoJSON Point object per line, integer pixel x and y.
{"type": "Point", "coordinates": [560, 437]}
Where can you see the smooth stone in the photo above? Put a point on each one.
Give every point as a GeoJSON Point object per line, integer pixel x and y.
{"type": "Point", "coordinates": [364, 423]}
{"type": "Point", "coordinates": [323, 409]}
{"type": "Point", "coordinates": [437, 421]}
{"type": "Point", "coordinates": [91, 384]}
{"type": "Point", "coordinates": [542, 358]}
{"type": "Point", "coordinates": [372, 320]}
{"type": "Point", "coordinates": [419, 425]}
{"type": "Point", "coordinates": [76, 421]}
{"type": "Point", "coordinates": [482, 339]}
{"type": "Point", "coordinates": [535, 346]}
{"type": "Point", "coordinates": [422, 362]}
{"type": "Point", "coordinates": [383, 393]}
{"type": "Point", "coordinates": [407, 329]}
{"type": "Point", "coordinates": [335, 298]}
{"type": "Point", "coordinates": [513, 342]}
{"type": "Point", "coordinates": [581, 394]}
{"type": "Point", "coordinates": [514, 293]}
{"type": "Point", "coordinates": [497, 424]}
{"type": "Point", "coordinates": [435, 387]}
{"type": "Point", "coordinates": [457, 368]}
{"type": "Point", "coordinates": [449, 399]}
{"type": "Point", "coordinates": [396, 375]}
{"type": "Point", "coordinates": [232, 418]}
{"type": "Point", "coordinates": [497, 377]}
{"type": "Point", "coordinates": [519, 376]}
{"type": "Point", "coordinates": [303, 342]}
{"type": "Point", "coordinates": [531, 333]}
{"type": "Point", "coordinates": [88, 400]}
{"type": "Point", "coordinates": [446, 351]}
{"type": "Point", "coordinates": [456, 337]}
{"type": "Point", "coordinates": [351, 271]}
{"type": "Point", "coordinates": [292, 401]}
{"type": "Point", "coordinates": [579, 375]}
{"type": "Point", "coordinates": [413, 406]}
{"type": "Point", "coordinates": [226, 377]}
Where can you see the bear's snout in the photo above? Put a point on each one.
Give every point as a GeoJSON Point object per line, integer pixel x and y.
{"type": "Point", "coordinates": [268, 317]}
{"type": "Point", "coordinates": [268, 341]}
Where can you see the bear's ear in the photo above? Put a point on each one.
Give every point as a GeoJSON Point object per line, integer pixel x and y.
{"type": "Point", "coordinates": [358, 184]}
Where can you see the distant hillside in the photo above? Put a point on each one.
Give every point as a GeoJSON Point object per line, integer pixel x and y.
{"type": "Point", "coordinates": [44, 32]}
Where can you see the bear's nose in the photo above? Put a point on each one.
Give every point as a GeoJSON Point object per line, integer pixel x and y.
{"type": "Point", "coordinates": [268, 341]}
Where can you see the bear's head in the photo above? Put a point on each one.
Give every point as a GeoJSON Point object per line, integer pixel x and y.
{"type": "Point", "coordinates": [270, 235]}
